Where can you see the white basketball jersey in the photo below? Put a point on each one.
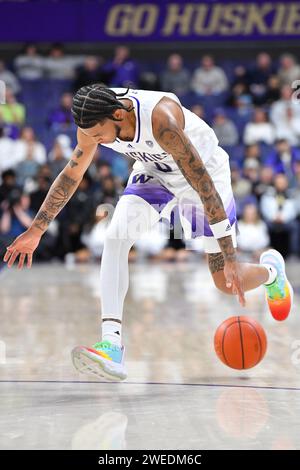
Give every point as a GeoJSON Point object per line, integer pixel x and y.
{"type": "Point", "coordinates": [146, 150]}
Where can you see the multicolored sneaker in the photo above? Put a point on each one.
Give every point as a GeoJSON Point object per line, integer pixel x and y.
{"type": "Point", "coordinates": [280, 293]}
{"type": "Point", "coordinates": [104, 359]}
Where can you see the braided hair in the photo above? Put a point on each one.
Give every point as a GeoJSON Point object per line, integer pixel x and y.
{"type": "Point", "coordinates": [94, 103]}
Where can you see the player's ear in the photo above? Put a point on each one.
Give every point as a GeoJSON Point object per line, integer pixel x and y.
{"type": "Point", "coordinates": [117, 114]}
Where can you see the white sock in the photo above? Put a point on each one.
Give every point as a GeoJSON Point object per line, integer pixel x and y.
{"type": "Point", "coordinates": [112, 331]}
{"type": "Point", "coordinates": [272, 273]}
{"type": "Point", "coordinates": [121, 234]}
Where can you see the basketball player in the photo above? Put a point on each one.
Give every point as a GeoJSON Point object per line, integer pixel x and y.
{"type": "Point", "coordinates": [178, 161]}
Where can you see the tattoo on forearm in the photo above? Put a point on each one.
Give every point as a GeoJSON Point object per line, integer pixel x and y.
{"type": "Point", "coordinates": [56, 199]}
{"type": "Point", "coordinates": [43, 220]}
{"type": "Point", "coordinates": [215, 262]}
{"type": "Point", "coordinates": [78, 153]}
{"type": "Point", "coordinates": [73, 164]}
{"type": "Point", "coordinates": [60, 194]}
{"type": "Point", "coordinates": [227, 248]}
{"type": "Point", "coordinates": [193, 169]}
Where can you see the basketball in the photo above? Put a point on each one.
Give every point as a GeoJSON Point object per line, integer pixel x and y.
{"type": "Point", "coordinates": [240, 342]}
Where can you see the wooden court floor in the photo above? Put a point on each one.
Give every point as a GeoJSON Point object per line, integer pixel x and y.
{"type": "Point", "coordinates": [178, 395]}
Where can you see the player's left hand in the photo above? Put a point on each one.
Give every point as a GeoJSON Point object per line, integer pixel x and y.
{"type": "Point", "coordinates": [234, 280]}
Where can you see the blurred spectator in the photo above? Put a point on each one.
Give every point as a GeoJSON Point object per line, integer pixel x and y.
{"type": "Point", "coordinates": [104, 170]}
{"type": "Point", "coordinates": [296, 190]}
{"type": "Point", "coordinates": [273, 90]}
{"type": "Point", "coordinates": [240, 77]}
{"type": "Point", "coordinates": [27, 170]}
{"type": "Point", "coordinates": [253, 151]}
{"type": "Point", "coordinates": [175, 77]}
{"type": "Point", "coordinates": [78, 213]}
{"type": "Point", "coordinates": [297, 174]}
{"type": "Point", "coordinates": [45, 171]}
{"type": "Point", "coordinates": [225, 129]}
{"type": "Point", "coordinates": [279, 211]}
{"type": "Point", "coordinates": [259, 76]}
{"type": "Point", "coordinates": [260, 129]}
{"type": "Point", "coordinates": [253, 232]}
{"type": "Point", "coordinates": [285, 115]}
{"type": "Point", "coordinates": [241, 113]}
{"type": "Point", "coordinates": [283, 158]}
{"type": "Point", "coordinates": [38, 196]}
{"type": "Point", "coordinates": [8, 183]}
{"type": "Point", "coordinates": [65, 144]}
{"type": "Point", "coordinates": [7, 154]}
{"type": "Point", "coordinates": [9, 78]}
{"type": "Point", "coordinates": [120, 167]}
{"type": "Point", "coordinates": [61, 118]}
{"type": "Point", "coordinates": [30, 154]}
{"type": "Point", "coordinates": [238, 88]}
{"type": "Point", "coordinates": [12, 112]}
{"type": "Point", "coordinates": [198, 110]}
{"type": "Point", "coordinates": [289, 70]}
{"type": "Point", "coordinates": [244, 106]}
{"type": "Point", "coordinates": [93, 169]}
{"type": "Point", "coordinates": [241, 188]}
{"type": "Point", "coordinates": [16, 216]}
{"type": "Point", "coordinates": [149, 80]}
{"type": "Point", "coordinates": [209, 79]}
{"type": "Point", "coordinates": [109, 190]}
{"type": "Point", "coordinates": [58, 158]}
{"type": "Point", "coordinates": [265, 181]}
{"type": "Point", "coordinates": [89, 72]}
{"type": "Point", "coordinates": [29, 65]}
{"type": "Point", "coordinates": [98, 171]}
{"type": "Point", "coordinates": [251, 171]}
{"type": "Point", "coordinates": [60, 66]}
{"type": "Point", "coordinates": [122, 71]}
{"type": "Point", "coordinates": [27, 144]}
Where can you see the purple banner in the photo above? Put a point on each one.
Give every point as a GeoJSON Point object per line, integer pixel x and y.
{"type": "Point", "coordinates": [136, 21]}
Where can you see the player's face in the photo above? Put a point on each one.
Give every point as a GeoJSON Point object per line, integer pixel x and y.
{"type": "Point", "coordinates": [103, 133]}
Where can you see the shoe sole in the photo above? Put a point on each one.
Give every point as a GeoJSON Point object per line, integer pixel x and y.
{"type": "Point", "coordinates": [278, 255]}
{"type": "Point", "coordinates": [88, 363]}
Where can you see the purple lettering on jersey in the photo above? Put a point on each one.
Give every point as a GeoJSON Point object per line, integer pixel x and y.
{"type": "Point", "coordinates": [163, 167]}
{"type": "Point", "coordinates": [140, 178]}
{"type": "Point", "coordinates": [146, 157]}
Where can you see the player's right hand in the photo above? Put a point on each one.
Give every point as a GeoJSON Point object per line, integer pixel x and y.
{"type": "Point", "coordinates": [23, 246]}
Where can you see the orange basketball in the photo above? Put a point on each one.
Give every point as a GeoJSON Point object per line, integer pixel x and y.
{"type": "Point", "coordinates": [240, 342]}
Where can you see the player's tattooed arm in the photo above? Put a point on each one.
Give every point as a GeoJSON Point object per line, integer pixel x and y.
{"type": "Point", "coordinates": [60, 192]}
{"type": "Point", "coordinates": [168, 131]}
{"type": "Point", "coordinates": [77, 154]}
{"type": "Point", "coordinates": [215, 262]}
{"type": "Point", "coordinates": [63, 187]}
